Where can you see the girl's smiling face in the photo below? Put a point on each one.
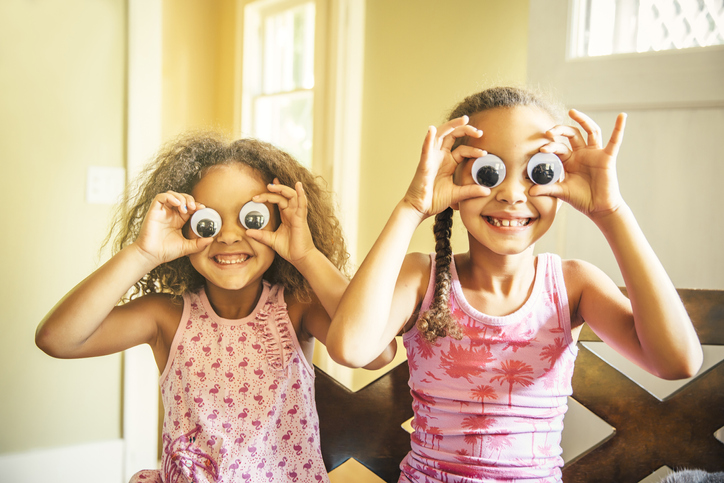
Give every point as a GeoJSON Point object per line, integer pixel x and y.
{"type": "Point", "coordinates": [509, 220]}
{"type": "Point", "coordinates": [233, 261]}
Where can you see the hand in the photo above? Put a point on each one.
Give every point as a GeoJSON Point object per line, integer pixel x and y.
{"type": "Point", "coordinates": [292, 240]}
{"type": "Point", "coordinates": [161, 237]}
{"type": "Point", "coordinates": [590, 183]}
{"type": "Point", "coordinates": [432, 189]}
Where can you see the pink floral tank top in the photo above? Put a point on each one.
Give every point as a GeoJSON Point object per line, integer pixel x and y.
{"type": "Point", "coordinates": [238, 397]}
{"type": "Point", "coordinates": [490, 407]}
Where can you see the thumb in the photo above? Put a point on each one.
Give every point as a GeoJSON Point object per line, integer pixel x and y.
{"type": "Point", "coordinates": [466, 192]}
{"type": "Point", "coordinates": [556, 190]}
{"type": "Point", "coordinates": [262, 236]}
{"type": "Point", "coordinates": [197, 244]}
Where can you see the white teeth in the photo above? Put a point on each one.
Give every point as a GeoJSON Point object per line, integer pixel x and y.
{"type": "Point", "coordinates": [508, 222]}
{"type": "Point", "coordinates": [231, 261]}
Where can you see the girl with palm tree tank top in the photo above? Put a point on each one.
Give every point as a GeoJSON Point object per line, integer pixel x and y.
{"type": "Point", "coordinates": [490, 334]}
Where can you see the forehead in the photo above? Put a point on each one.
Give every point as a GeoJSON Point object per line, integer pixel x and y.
{"type": "Point", "coordinates": [228, 184]}
{"type": "Point", "coordinates": [512, 128]}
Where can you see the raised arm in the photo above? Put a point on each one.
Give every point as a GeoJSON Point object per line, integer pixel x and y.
{"type": "Point", "coordinates": [87, 322]}
{"type": "Point", "coordinates": [389, 285]}
{"type": "Point", "coordinates": [653, 329]}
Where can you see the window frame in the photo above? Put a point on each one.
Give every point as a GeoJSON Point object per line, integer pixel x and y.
{"type": "Point", "coordinates": [338, 72]}
{"type": "Point", "coordinates": [665, 79]}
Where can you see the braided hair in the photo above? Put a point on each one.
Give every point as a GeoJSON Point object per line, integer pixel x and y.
{"type": "Point", "coordinates": [438, 320]}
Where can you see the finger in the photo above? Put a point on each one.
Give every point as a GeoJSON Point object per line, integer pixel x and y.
{"type": "Point", "coordinates": [277, 199]}
{"type": "Point", "coordinates": [571, 133]}
{"type": "Point", "coordinates": [559, 149]}
{"type": "Point", "coordinates": [614, 144]}
{"type": "Point", "coordinates": [189, 201]}
{"type": "Point", "coordinates": [451, 125]}
{"type": "Point", "coordinates": [171, 199]}
{"type": "Point", "coordinates": [284, 190]}
{"type": "Point", "coordinates": [265, 237]}
{"type": "Point", "coordinates": [196, 245]}
{"type": "Point", "coordinates": [466, 192]}
{"type": "Point", "coordinates": [588, 125]}
{"type": "Point", "coordinates": [556, 190]}
{"type": "Point", "coordinates": [301, 198]}
{"type": "Point", "coordinates": [463, 152]}
{"type": "Point", "coordinates": [461, 131]}
{"type": "Point", "coordinates": [427, 144]}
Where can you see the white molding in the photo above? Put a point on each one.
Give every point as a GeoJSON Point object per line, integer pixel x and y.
{"type": "Point", "coordinates": [339, 65]}
{"type": "Point", "coordinates": [140, 375]}
{"type": "Point", "coordinates": [98, 462]}
{"type": "Point", "coordinates": [680, 78]}
{"type": "Point", "coordinates": [346, 74]}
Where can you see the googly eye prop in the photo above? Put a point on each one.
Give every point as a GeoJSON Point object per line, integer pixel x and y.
{"type": "Point", "coordinates": [206, 222]}
{"type": "Point", "coordinates": [488, 171]}
{"type": "Point", "coordinates": [543, 169]}
{"type": "Point", "coordinates": [254, 216]}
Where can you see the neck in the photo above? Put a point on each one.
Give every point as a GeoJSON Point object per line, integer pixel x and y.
{"type": "Point", "coordinates": [234, 304]}
{"type": "Point", "coordinates": [496, 284]}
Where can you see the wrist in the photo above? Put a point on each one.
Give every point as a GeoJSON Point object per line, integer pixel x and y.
{"type": "Point", "coordinates": [611, 219]}
{"type": "Point", "coordinates": [408, 211]}
{"type": "Point", "coordinates": [145, 260]}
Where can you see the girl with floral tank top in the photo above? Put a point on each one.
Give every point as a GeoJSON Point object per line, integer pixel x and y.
{"type": "Point", "coordinates": [490, 334]}
{"type": "Point", "coordinates": [235, 258]}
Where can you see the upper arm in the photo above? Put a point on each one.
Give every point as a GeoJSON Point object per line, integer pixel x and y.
{"type": "Point", "coordinates": [410, 290]}
{"type": "Point", "coordinates": [602, 305]}
{"type": "Point", "coordinates": [144, 320]}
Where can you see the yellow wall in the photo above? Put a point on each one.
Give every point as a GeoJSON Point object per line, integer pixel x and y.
{"type": "Point", "coordinates": [422, 57]}
{"type": "Point", "coordinates": [62, 105]}
{"type": "Point", "coordinates": [198, 65]}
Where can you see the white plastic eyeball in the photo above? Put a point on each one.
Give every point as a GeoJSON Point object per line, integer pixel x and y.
{"type": "Point", "coordinates": [488, 171]}
{"type": "Point", "coordinates": [254, 216]}
{"type": "Point", "coordinates": [206, 223]}
{"type": "Point", "coordinates": [545, 168]}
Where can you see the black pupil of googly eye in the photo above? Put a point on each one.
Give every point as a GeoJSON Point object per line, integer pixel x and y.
{"type": "Point", "coordinates": [487, 176]}
{"type": "Point", "coordinates": [543, 173]}
{"type": "Point", "coordinates": [206, 228]}
{"type": "Point", "coordinates": [254, 220]}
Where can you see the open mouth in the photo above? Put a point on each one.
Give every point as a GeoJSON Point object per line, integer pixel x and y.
{"type": "Point", "coordinates": [231, 259]}
{"type": "Point", "coordinates": [516, 222]}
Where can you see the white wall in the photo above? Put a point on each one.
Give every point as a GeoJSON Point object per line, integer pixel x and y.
{"type": "Point", "coordinates": [671, 164]}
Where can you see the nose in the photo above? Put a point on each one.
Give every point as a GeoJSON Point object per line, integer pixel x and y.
{"type": "Point", "coordinates": [231, 232]}
{"type": "Point", "coordinates": [512, 190]}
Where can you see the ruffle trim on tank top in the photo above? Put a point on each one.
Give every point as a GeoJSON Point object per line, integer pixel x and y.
{"type": "Point", "coordinates": [277, 338]}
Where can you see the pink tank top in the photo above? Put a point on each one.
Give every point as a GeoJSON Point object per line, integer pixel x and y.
{"type": "Point", "coordinates": [490, 407]}
{"type": "Point", "coordinates": [238, 397]}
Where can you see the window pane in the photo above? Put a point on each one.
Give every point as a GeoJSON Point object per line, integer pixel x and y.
{"type": "Point", "coordinates": [607, 27]}
{"type": "Point", "coordinates": [289, 50]}
{"type": "Point", "coordinates": [285, 120]}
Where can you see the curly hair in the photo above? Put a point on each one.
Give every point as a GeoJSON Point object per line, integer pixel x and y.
{"type": "Point", "coordinates": [438, 320]}
{"type": "Point", "coordinates": [181, 164]}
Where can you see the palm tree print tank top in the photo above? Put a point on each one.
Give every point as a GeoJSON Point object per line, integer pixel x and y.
{"type": "Point", "coordinates": [490, 407]}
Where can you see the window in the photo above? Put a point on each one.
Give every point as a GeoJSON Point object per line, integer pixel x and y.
{"type": "Point", "coordinates": [605, 27]}
{"type": "Point", "coordinates": [301, 88]}
{"type": "Point", "coordinates": [666, 78]}
{"type": "Point", "coordinates": [280, 83]}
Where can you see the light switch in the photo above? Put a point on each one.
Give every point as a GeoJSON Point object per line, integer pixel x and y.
{"type": "Point", "coordinates": [104, 184]}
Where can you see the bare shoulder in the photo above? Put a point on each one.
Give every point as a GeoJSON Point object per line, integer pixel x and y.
{"type": "Point", "coordinates": [411, 286]}
{"type": "Point", "coordinates": [162, 310]}
{"type": "Point", "coordinates": [591, 292]}
{"type": "Point", "coordinates": [166, 311]}
{"type": "Point", "coordinates": [416, 267]}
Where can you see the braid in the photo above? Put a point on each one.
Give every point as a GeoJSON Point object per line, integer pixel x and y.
{"type": "Point", "coordinates": [438, 321]}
